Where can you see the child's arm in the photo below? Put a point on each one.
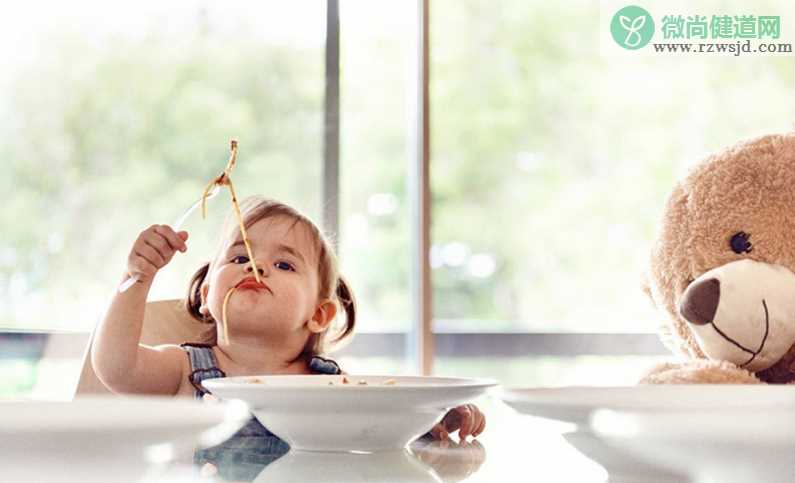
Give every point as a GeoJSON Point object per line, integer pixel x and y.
{"type": "Point", "coordinates": [120, 362]}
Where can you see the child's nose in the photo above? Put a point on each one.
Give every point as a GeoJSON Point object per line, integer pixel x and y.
{"type": "Point", "coordinates": [249, 269]}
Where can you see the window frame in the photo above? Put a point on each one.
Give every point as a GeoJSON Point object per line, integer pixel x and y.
{"type": "Point", "coordinates": [421, 345]}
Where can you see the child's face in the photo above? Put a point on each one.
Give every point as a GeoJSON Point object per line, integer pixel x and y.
{"type": "Point", "coordinates": [287, 260]}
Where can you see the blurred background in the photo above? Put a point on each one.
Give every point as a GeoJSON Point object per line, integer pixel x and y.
{"type": "Point", "coordinates": [549, 166]}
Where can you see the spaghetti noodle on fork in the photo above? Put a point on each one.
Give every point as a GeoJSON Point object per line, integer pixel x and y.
{"type": "Point", "coordinates": [225, 179]}
{"type": "Point", "coordinates": [223, 315]}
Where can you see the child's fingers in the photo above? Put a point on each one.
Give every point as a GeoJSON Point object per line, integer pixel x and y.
{"type": "Point", "coordinates": [467, 421]}
{"type": "Point", "coordinates": [158, 238]}
{"type": "Point", "coordinates": [477, 417]}
{"type": "Point", "coordinates": [481, 426]}
{"type": "Point", "coordinates": [174, 240]}
{"type": "Point", "coordinates": [161, 247]}
{"type": "Point", "coordinates": [455, 420]}
{"type": "Point", "coordinates": [153, 249]}
{"type": "Point", "coordinates": [148, 253]}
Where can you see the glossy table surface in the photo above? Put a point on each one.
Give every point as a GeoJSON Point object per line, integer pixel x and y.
{"type": "Point", "coordinates": [514, 447]}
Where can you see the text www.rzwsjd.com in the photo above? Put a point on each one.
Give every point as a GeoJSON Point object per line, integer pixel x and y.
{"type": "Point", "coordinates": [735, 49]}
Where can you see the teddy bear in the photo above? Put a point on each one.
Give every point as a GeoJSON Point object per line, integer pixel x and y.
{"type": "Point", "coordinates": [722, 268]}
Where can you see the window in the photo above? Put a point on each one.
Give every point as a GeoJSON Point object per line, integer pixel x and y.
{"type": "Point", "coordinates": [115, 118]}
{"type": "Point", "coordinates": [376, 66]}
{"type": "Point", "coordinates": [551, 164]}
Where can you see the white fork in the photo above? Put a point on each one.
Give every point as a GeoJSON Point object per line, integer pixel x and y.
{"type": "Point", "coordinates": [176, 226]}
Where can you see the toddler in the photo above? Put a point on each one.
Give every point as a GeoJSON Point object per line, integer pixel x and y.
{"type": "Point", "coordinates": [273, 297]}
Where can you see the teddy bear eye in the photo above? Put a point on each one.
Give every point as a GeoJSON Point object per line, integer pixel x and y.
{"type": "Point", "coordinates": [740, 244]}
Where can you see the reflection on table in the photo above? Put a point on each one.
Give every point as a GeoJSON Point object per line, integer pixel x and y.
{"type": "Point", "coordinates": [520, 448]}
{"type": "Point", "coordinates": [248, 456]}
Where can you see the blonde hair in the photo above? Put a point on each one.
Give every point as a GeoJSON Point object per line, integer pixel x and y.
{"type": "Point", "coordinates": [331, 284]}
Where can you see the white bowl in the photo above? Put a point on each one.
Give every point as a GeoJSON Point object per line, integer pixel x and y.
{"type": "Point", "coordinates": [90, 438]}
{"type": "Point", "coordinates": [664, 404]}
{"type": "Point", "coordinates": [322, 413]}
{"type": "Point", "coordinates": [574, 404]}
{"type": "Point", "coordinates": [716, 445]}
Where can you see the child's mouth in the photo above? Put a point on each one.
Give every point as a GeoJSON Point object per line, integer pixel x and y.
{"type": "Point", "coordinates": [250, 283]}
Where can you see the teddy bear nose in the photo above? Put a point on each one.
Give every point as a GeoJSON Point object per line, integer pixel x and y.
{"type": "Point", "coordinates": [700, 301]}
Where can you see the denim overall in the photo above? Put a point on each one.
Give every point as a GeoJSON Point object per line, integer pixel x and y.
{"type": "Point", "coordinates": [253, 447]}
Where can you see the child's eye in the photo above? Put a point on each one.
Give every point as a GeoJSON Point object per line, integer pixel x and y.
{"type": "Point", "coordinates": [284, 266]}
{"type": "Point", "coordinates": [240, 259]}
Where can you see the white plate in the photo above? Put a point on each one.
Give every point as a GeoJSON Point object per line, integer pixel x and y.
{"type": "Point", "coordinates": [93, 438]}
{"type": "Point", "coordinates": [714, 445]}
{"type": "Point", "coordinates": [321, 413]}
{"type": "Point", "coordinates": [575, 404]}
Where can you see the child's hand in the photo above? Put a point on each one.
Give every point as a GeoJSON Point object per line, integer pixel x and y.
{"type": "Point", "coordinates": [153, 249]}
{"type": "Point", "coordinates": [466, 419]}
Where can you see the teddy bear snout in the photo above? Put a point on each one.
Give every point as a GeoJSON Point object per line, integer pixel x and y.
{"type": "Point", "coordinates": [700, 301]}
